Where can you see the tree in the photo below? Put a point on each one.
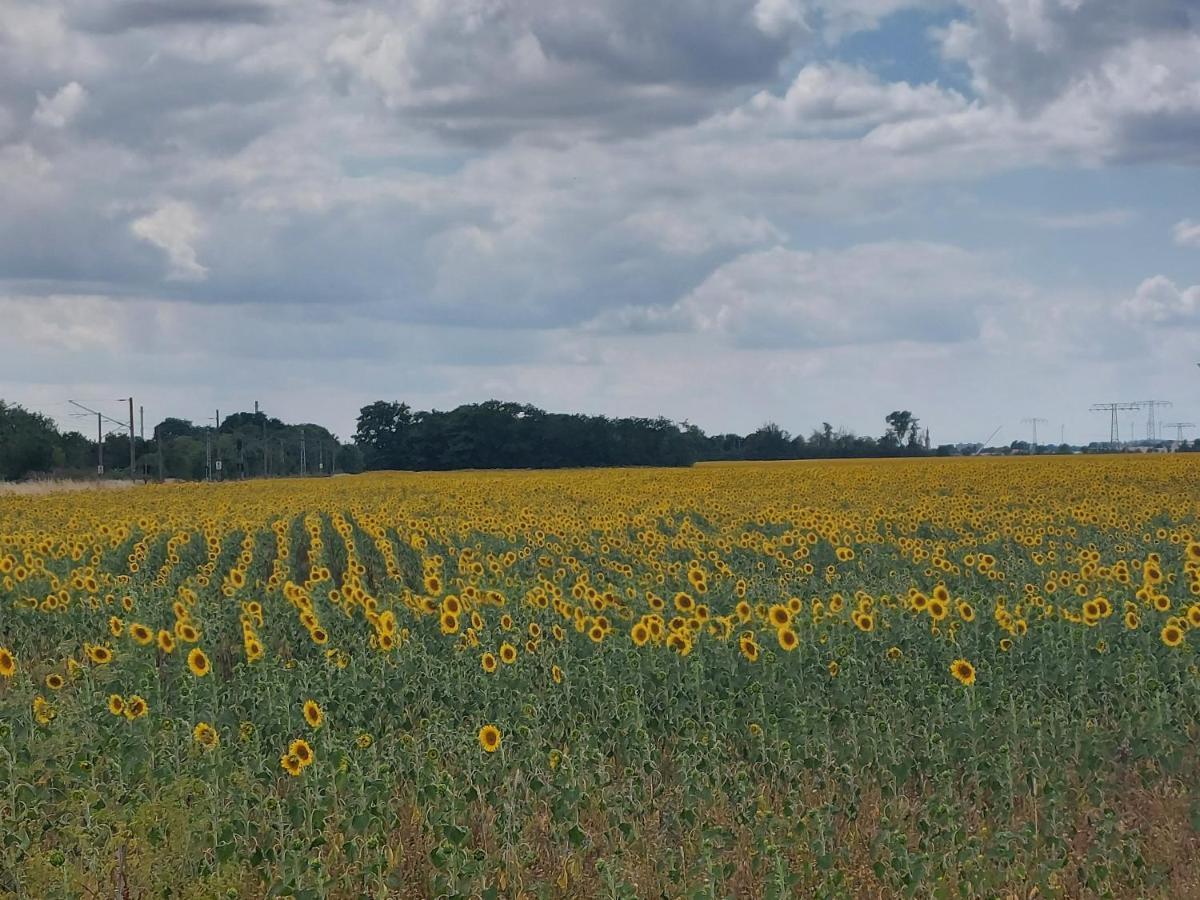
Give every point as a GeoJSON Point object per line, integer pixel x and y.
{"type": "Point", "coordinates": [902, 423]}
{"type": "Point", "coordinates": [382, 434]}
{"type": "Point", "coordinates": [27, 442]}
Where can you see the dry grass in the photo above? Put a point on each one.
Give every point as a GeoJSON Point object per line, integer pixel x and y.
{"type": "Point", "coordinates": [59, 485]}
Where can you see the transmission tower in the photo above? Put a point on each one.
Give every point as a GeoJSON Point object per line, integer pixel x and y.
{"type": "Point", "coordinates": [1151, 428]}
{"type": "Point", "coordinates": [1034, 421]}
{"type": "Point", "coordinates": [1179, 426]}
{"type": "Point", "coordinates": [1114, 431]}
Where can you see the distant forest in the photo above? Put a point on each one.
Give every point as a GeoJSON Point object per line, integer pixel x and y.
{"type": "Point", "coordinates": [391, 435]}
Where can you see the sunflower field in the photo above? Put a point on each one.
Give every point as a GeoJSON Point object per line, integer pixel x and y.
{"type": "Point", "coordinates": [947, 678]}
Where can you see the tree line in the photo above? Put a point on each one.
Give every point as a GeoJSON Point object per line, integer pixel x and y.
{"type": "Point", "coordinates": [392, 435]}
{"type": "Point", "coordinates": [500, 435]}
{"type": "Point", "coordinates": [245, 445]}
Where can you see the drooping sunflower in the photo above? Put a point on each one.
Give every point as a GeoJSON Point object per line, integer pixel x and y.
{"type": "Point", "coordinates": [198, 662]}
{"type": "Point", "coordinates": [135, 707]}
{"type": "Point", "coordinates": [490, 738]}
{"type": "Point", "coordinates": [205, 735]}
{"type": "Point", "coordinates": [963, 671]}
{"type": "Point", "coordinates": [313, 714]}
{"type": "Point", "coordinates": [894, 653]}
{"type": "Point", "coordinates": [557, 674]}
{"type": "Point", "coordinates": [8, 663]}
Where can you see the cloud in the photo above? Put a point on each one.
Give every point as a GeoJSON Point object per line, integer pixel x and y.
{"type": "Point", "coordinates": [57, 111]}
{"type": "Point", "coordinates": [885, 292]}
{"type": "Point", "coordinates": [838, 98]}
{"type": "Point", "coordinates": [174, 227]}
{"type": "Point", "coordinates": [1117, 79]}
{"type": "Point", "coordinates": [481, 71]}
{"type": "Point", "coordinates": [1159, 301]}
{"type": "Point", "coordinates": [1186, 233]}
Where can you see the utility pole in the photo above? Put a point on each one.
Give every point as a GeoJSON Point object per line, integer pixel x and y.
{"type": "Point", "coordinates": [132, 445]}
{"type": "Point", "coordinates": [1034, 420]}
{"type": "Point", "coordinates": [159, 447]}
{"type": "Point", "coordinates": [1151, 429]}
{"type": "Point", "coordinates": [142, 432]}
{"type": "Point", "coordinates": [100, 417]}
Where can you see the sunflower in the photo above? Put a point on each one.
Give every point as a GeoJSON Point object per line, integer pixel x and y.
{"type": "Point", "coordinates": [865, 622]}
{"type": "Point", "coordinates": [116, 627]}
{"type": "Point", "coordinates": [43, 712]}
{"type": "Point", "coordinates": [557, 674]}
{"type": "Point", "coordinates": [187, 632]}
{"type": "Point", "coordinates": [141, 633]}
{"type": "Point", "coordinates": [8, 663]}
{"type": "Point", "coordinates": [937, 609]}
{"type": "Point", "coordinates": [489, 663]}
{"type": "Point", "coordinates": [291, 765]}
{"type": "Point", "coordinates": [363, 741]}
{"type": "Point", "coordinates": [99, 654]}
{"type": "Point", "coordinates": [205, 735]}
{"type": "Point", "coordinates": [640, 634]}
{"type": "Point", "coordinates": [749, 649]}
{"type": "Point", "coordinates": [449, 622]}
{"type": "Point", "coordinates": [302, 751]}
{"type": "Point", "coordinates": [963, 671]}
{"type": "Point", "coordinates": [1172, 635]}
{"type": "Point", "coordinates": [834, 668]}
{"type": "Point", "coordinates": [54, 681]}
{"type": "Point", "coordinates": [489, 738]}
{"type": "Point", "coordinates": [779, 615]}
{"type": "Point", "coordinates": [508, 653]}
{"type": "Point", "coordinates": [198, 662]}
{"type": "Point", "coordinates": [787, 639]}
{"type": "Point", "coordinates": [116, 704]}
{"type": "Point", "coordinates": [1131, 620]}
{"type": "Point", "coordinates": [313, 714]}
{"type": "Point", "coordinates": [166, 641]}
{"type": "Point", "coordinates": [1006, 644]}
{"type": "Point", "coordinates": [894, 653]}
{"type": "Point", "coordinates": [135, 707]}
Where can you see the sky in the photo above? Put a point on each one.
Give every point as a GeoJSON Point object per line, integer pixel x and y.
{"type": "Point", "coordinates": [722, 211]}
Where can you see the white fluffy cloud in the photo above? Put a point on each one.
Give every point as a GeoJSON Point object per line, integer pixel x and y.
{"type": "Point", "coordinates": [58, 110]}
{"type": "Point", "coordinates": [174, 228]}
{"type": "Point", "coordinates": [1159, 301]}
{"type": "Point", "coordinates": [1186, 233]}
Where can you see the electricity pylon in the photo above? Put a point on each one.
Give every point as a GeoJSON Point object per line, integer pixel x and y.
{"type": "Point", "coordinates": [1151, 429]}
{"type": "Point", "coordinates": [1034, 421]}
{"type": "Point", "coordinates": [1179, 426]}
{"type": "Point", "coordinates": [1114, 430]}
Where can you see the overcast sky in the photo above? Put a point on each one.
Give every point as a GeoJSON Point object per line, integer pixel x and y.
{"type": "Point", "coordinates": [726, 211]}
